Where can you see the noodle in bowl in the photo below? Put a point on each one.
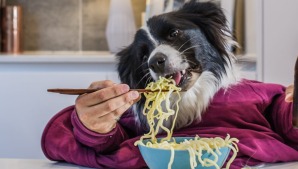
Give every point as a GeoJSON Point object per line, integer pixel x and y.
{"type": "Point", "coordinates": [160, 158]}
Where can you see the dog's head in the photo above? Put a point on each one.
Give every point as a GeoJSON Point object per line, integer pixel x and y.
{"type": "Point", "coordinates": [188, 45]}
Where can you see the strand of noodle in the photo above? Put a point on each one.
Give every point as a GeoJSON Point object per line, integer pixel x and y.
{"type": "Point", "coordinates": [192, 161]}
{"type": "Point", "coordinates": [166, 115]}
{"type": "Point", "coordinates": [177, 110]}
{"type": "Point", "coordinates": [234, 148]}
{"type": "Point", "coordinates": [233, 156]}
{"type": "Point", "coordinates": [211, 163]}
{"type": "Point", "coordinates": [200, 157]}
{"type": "Point", "coordinates": [171, 158]}
{"type": "Point", "coordinates": [150, 112]}
{"type": "Point", "coordinates": [151, 100]}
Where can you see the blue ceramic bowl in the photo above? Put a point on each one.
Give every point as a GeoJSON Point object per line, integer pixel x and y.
{"type": "Point", "coordinates": [157, 158]}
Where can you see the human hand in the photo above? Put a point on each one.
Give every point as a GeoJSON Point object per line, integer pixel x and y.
{"type": "Point", "coordinates": [99, 111]}
{"type": "Point", "coordinates": [289, 93]}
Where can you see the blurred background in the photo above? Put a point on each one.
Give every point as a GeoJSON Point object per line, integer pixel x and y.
{"type": "Point", "coordinates": [71, 43]}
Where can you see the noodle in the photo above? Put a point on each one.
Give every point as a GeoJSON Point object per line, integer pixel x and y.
{"type": "Point", "coordinates": [156, 116]}
{"type": "Point", "coordinates": [153, 107]}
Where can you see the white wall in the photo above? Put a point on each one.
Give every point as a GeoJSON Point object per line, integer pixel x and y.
{"type": "Point", "coordinates": [280, 40]}
{"type": "Point", "coordinates": [26, 106]}
{"type": "Point", "coordinates": [271, 31]}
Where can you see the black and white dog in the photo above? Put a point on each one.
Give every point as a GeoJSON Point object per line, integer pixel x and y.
{"type": "Point", "coordinates": [189, 45]}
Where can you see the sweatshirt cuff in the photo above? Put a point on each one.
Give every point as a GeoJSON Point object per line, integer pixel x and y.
{"type": "Point", "coordinates": [100, 142]}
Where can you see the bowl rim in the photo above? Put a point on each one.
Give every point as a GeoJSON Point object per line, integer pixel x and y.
{"type": "Point", "coordinates": [162, 149]}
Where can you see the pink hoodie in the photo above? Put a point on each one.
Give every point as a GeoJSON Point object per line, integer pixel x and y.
{"type": "Point", "coordinates": [253, 112]}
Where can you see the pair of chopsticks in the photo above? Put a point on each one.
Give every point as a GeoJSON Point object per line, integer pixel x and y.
{"type": "Point", "coordinates": [83, 91]}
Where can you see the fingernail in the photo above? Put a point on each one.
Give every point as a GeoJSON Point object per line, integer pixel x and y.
{"type": "Point", "coordinates": [124, 87]}
{"type": "Point", "coordinates": [134, 94]}
{"type": "Point", "coordinates": [138, 99]}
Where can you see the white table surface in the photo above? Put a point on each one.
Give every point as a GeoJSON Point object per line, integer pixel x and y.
{"type": "Point", "coordinates": [35, 164]}
{"type": "Point", "coordinates": [46, 164]}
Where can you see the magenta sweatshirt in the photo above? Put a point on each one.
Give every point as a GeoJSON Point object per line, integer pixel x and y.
{"type": "Point", "coordinates": [253, 112]}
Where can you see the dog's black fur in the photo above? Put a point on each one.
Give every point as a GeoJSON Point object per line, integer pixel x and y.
{"type": "Point", "coordinates": [196, 38]}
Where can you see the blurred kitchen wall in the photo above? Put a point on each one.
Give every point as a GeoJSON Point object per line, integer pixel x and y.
{"type": "Point", "coordinates": [67, 25]}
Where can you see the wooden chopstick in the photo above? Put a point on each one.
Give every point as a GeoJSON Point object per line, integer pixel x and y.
{"type": "Point", "coordinates": [83, 91]}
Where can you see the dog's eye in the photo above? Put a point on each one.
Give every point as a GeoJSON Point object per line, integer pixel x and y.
{"type": "Point", "coordinates": [174, 33]}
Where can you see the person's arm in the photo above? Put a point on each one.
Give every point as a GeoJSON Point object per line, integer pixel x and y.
{"type": "Point", "coordinates": [86, 148]}
{"type": "Point", "coordinates": [281, 116]}
{"type": "Point", "coordinates": [90, 133]}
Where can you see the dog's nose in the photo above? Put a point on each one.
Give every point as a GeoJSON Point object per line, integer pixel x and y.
{"type": "Point", "coordinates": [157, 62]}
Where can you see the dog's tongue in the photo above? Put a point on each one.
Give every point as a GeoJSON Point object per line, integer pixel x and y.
{"type": "Point", "coordinates": [177, 77]}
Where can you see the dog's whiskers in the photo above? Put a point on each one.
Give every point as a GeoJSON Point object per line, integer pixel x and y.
{"type": "Point", "coordinates": [148, 80]}
{"type": "Point", "coordinates": [186, 42]}
{"type": "Point", "coordinates": [189, 48]}
{"type": "Point", "coordinates": [143, 78]}
{"type": "Point", "coordinates": [141, 65]}
{"type": "Point", "coordinates": [189, 61]}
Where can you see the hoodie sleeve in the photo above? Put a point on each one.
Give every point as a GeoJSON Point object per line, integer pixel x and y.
{"type": "Point", "coordinates": [66, 139]}
{"type": "Point", "coordinates": [281, 120]}
{"type": "Point", "coordinates": [99, 142]}
{"type": "Point", "coordinates": [277, 111]}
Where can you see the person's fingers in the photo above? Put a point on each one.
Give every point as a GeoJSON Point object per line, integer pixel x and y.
{"type": "Point", "coordinates": [103, 95]}
{"type": "Point", "coordinates": [107, 122]}
{"type": "Point", "coordinates": [290, 89]}
{"type": "Point", "coordinates": [138, 99]}
{"type": "Point", "coordinates": [111, 105]}
{"type": "Point", "coordinates": [99, 111]}
{"type": "Point", "coordinates": [289, 97]}
{"type": "Point", "coordinates": [101, 84]}
{"type": "Point", "coordinates": [289, 93]}
{"type": "Point", "coordinates": [94, 85]}
{"type": "Point", "coordinates": [118, 112]}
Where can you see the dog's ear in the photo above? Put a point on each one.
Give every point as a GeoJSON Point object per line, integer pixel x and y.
{"type": "Point", "coordinates": [130, 73]}
{"type": "Point", "coordinates": [207, 11]}
{"type": "Point", "coordinates": [132, 61]}
{"type": "Point", "coordinates": [130, 66]}
{"type": "Point", "coordinates": [124, 67]}
{"type": "Point", "coordinates": [210, 18]}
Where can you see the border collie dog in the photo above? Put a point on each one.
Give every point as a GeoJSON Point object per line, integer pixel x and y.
{"type": "Point", "coordinates": [189, 45]}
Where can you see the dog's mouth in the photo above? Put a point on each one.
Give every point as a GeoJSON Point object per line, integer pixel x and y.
{"type": "Point", "coordinates": [182, 77]}
{"type": "Point", "coordinates": [179, 77]}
